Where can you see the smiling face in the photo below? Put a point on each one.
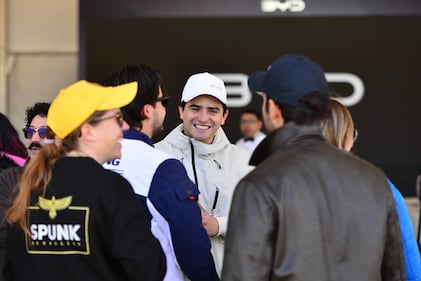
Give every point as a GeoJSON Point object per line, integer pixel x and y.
{"type": "Point", "coordinates": [106, 135]}
{"type": "Point", "coordinates": [202, 117]}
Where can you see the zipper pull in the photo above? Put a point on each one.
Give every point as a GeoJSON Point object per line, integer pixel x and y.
{"type": "Point", "coordinates": [217, 164]}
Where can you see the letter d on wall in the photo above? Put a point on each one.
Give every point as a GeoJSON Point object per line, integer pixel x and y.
{"type": "Point", "coordinates": [352, 79]}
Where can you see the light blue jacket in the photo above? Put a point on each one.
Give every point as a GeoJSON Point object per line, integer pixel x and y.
{"type": "Point", "coordinates": [410, 247]}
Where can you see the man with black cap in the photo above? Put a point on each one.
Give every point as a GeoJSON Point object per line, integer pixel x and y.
{"type": "Point", "coordinates": [308, 211]}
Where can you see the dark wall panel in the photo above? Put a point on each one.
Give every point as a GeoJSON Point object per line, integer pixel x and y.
{"type": "Point", "coordinates": [383, 51]}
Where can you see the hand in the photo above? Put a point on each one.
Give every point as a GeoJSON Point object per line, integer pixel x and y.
{"type": "Point", "coordinates": [210, 224]}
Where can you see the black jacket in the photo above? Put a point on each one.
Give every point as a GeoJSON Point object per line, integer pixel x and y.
{"type": "Point", "coordinates": [312, 212]}
{"type": "Point", "coordinates": [6, 163]}
{"type": "Point", "coordinates": [95, 230]}
{"type": "Point", "coordinates": [9, 179]}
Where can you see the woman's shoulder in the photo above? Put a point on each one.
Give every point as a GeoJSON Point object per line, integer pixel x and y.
{"type": "Point", "coordinates": [10, 176]}
{"type": "Point", "coordinates": [6, 162]}
{"type": "Point", "coordinates": [86, 168]}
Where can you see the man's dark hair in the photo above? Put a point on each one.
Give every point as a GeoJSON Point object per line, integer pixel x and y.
{"type": "Point", "coordinates": [40, 108]}
{"type": "Point", "coordinates": [148, 80]}
{"type": "Point", "coordinates": [252, 111]}
{"type": "Point", "coordinates": [315, 107]}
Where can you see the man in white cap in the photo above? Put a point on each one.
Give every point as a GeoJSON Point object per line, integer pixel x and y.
{"type": "Point", "coordinates": [211, 161]}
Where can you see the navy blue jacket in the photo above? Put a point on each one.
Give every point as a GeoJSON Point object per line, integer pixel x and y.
{"type": "Point", "coordinates": [170, 201]}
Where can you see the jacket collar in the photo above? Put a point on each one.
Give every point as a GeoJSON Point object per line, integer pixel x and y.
{"type": "Point", "coordinates": [136, 135]}
{"type": "Point", "coordinates": [283, 137]}
{"type": "Point", "coordinates": [177, 138]}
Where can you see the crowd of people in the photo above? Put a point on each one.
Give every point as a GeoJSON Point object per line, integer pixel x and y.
{"type": "Point", "coordinates": [91, 197]}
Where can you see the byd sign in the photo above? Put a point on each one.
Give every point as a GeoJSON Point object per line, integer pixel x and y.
{"type": "Point", "coordinates": [270, 6]}
{"type": "Point", "coordinates": [239, 94]}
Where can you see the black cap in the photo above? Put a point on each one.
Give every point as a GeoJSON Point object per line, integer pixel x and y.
{"type": "Point", "coordinates": [289, 78]}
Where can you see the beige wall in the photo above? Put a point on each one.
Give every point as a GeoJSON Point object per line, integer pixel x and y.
{"type": "Point", "coordinates": [41, 54]}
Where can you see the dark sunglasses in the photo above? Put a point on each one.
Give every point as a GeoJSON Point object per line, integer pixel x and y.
{"type": "Point", "coordinates": [163, 100]}
{"type": "Point", "coordinates": [29, 132]}
{"type": "Point", "coordinates": [118, 117]}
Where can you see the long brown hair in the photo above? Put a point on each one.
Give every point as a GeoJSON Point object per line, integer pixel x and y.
{"type": "Point", "coordinates": [37, 175]}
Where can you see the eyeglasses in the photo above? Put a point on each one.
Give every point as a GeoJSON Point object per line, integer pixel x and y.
{"type": "Point", "coordinates": [355, 135]}
{"type": "Point", "coordinates": [163, 100]}
{"type": "Point", "coordinates": [29, 132]}
{"type": "Point", "coordinates": [118, 117]}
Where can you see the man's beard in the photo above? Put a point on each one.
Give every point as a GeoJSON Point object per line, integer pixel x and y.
{"type": "Point", "coordinates": [157, 126]}
{"type": "Point", "coordinates": [157, 130]}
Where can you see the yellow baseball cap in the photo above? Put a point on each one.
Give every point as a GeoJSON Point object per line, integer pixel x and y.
{"type": "Point", "coordinates": [74, 104]}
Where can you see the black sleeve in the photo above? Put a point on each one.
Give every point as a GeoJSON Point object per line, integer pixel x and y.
{"type": "Point", "coordinates": [8, 181]}
{"type": "Point", "coordinates": [132, 243]}
{"type": "Point", "coordinates": [175, 197]}
{"type": "Point", "coordinates": [393, 263]}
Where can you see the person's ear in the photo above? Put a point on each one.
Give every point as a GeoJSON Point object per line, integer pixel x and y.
{"type": "Point", "coordinates": [147, 111]}
{"type": "Point", "coordinates": [274, 110]}
{"type": "Point", "coordinates": [181, 112]}
{"type": "Point", "coordinates": [275, 114]}
{"type": "Point", "coordinates": [88, 132]}
{"type": "Point", "coordinates": [224, 117]}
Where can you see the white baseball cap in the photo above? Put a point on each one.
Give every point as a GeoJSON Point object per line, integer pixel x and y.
{"type": "Point", "coordinates": [204, 84]}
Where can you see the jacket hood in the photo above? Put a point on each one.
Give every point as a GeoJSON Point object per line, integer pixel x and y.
{"type": "Point", "coordinates": [177, 138]}
{"type": "Point", "coordinates": [282, 137]}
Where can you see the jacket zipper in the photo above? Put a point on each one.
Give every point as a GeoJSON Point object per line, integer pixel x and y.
{"type": "Point", "coordinates": [193, 164]}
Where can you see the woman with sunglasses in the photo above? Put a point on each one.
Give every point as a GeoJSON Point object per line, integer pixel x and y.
{"type": "Point", "coordinates": [338, 129]}
{"type": "Point", "coordinates": [72, 219]}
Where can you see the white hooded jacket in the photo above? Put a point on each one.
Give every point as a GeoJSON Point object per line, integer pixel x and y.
{"type": "Point", "coordinates": [216, 168]}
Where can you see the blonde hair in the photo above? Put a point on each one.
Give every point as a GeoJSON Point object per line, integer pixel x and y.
{"type": "Point", "coordinates": [338, 125]}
